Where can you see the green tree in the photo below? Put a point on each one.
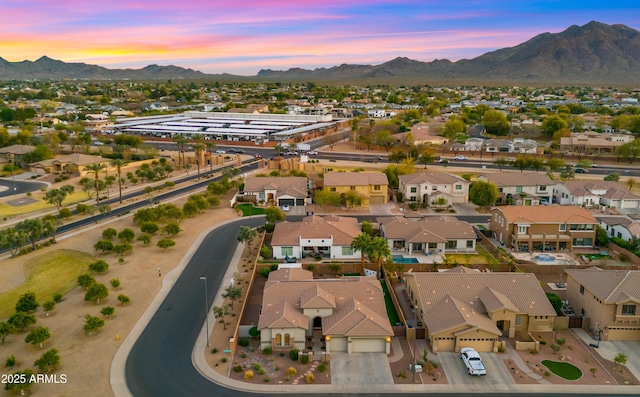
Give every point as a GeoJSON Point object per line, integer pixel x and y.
{"type": "Point", "coordinates": [27, 302]}
{"type": "Point", "coordinates": [107, 311]}
{"type": "Point", "coordinates": [48, 306]}
{"type": "Point", "coordinates": [86, 280]}
{"type": "Point", "coordinates": [118, 164]}
{"type": "Point", "coordinates": [109, 234]}
{"type": "Point", "coordinates": [555, 301]}
{"type": "Point", "coordinates": [115, 283]}
{"type": "Point", "coordinates": [95, 170]}
{"type": "Point", "coordinates": [100, 266]}
{"type": "Point", "coordinates": [21, 320]}
{"type": "Point", "coordinates": [124, 299]}
{"type": "Point", "coordinates": [221, 313]}
{"type": "Point", "coordinates": [37, 336]}
{"type": "Point", "coordinates": [274, 214]}
{"type": "Point", "coordinates": [426, 158]}
{"type": "Point", "coordinates": [620, 359]}
{"type": "Point", "coordinates": [145, 238]}
{"type": "Point", "coordinates": [198, 148]}
{"type": "Point", "coordinates": [33, 230]}
{"type": "Point", "coordinates": [5, 329]}
{"type": "Point", "coordinates": [48, 361]}
{"type": "Point", "coordinates": [501, 162]}
{"type": "Point", "coordinates": [165, 243]}
{"type": "Point", "coordinates": [555, 164]}
{"type": "Point", "coordinates": [522, 162]}
{"type": "Point", "coordinates": [483, 193]}
{"type": "Point", "coordinates": [495, 122]}
{"type": "Point", "coordinates": [122, 249]}
{"type": "Point", "coordinates": [602, 238]}
{"type": "Point", "coordinates": [57, 196]}
{"type": "Point", "coordinates": [327, 198]}
{"type": "Point", "coordinates": [552, 124]}
{"type": "Point", "coordinates": [567, 173]}
{"type": "Point", "coordinates": [352, 199]}
{"type": "Point", "coordinates": [232, 293]}
{"type": "Point", "coordinates": [20, 381]}
{"type": "Point", "coordinates": [103, 246]}
{"type": "Point", "coordinates": [453, 127]}
{"type": "Point", "coordinates": [65, 213]}
{"type": "Point", "coordinates": [149, 227]}
{"type": "Point", "coordinates": [126, 235]}
{"type": "Point", "coordinates": [92, 324]}
{"type": "Point", "coordinates": [246, 236]}
{"type": "Point", "coordinates": [379, 251]}
{"type": "Point", "coordinates": [96, 292]}
{"type": "Point", "coordinates": [172, 228]}
{"type": "Point", "coordinates": [614, 176]}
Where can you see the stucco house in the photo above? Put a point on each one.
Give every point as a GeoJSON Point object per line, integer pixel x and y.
{"type": "Point", "coordinates": [595, 193]}
{"type": "Point", "coordinates": [522, 188]}
{"type": "Point", "coordinates": [348, 312]}
{"type": "Point", "coordinates": [75, 161]}
{"type": "Point", "coordinates": [469, 308]}
{"type": "Point", "coordinates": [609, 298]}
{"type": "Point", "coordinates": [291, 190]}
{"type": "Point", "coordinates": [14, 153]}
{"type": "Point", "coordinates": [428, 187]}
{"type": "Point", "coordinates": [373, 187]}
{"type": "Point", "coordinates": [619, 226]}
{"type": "Point", "coordinates": [329, 237]}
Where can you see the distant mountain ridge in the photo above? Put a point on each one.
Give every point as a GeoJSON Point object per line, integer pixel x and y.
{"type": "Point", "coordinates": [595, 53]}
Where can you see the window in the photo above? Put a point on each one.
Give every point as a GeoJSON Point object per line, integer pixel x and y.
{"type": "Point", "coordinates": [563, 227]}
{"type": "Point", "coordinates": [499, 190]}
{"type": "Point", "coordinates": [469, 243]}
{"type": "Point", "coordinates": [412, 198]}
{"type": "Point", "coordinates": [582, 289]}
{"type": "Point", "coordinates": [434, 187]}
{"type": "Point", "coordinates": [583, 242]}
{"type": "Point", "coordinates": [375, 187]}
{"type": "Point", "coordinates": [352, 187]}
{"type": "Point", "coordinates": [542, 188]}
{"type": "Point", "coordinates": [414, 189]}
{"type": "Point", "coordinates": [347, 251]}
{"type": "Point", "coordinates": [261, 196]}
{"type": "Point", "coordinates": [522, 229]}
{"type": "Point", "coordinates": [518, 189]}
{"type": "Point", "coordinates": [628, 310]}
{"type": "Point", "coordinates": [458, 187]}
{"type": "Point", "coordinates": [333, 189]}
{"type": "Point", "coordinates": [452, 244]}
{"type": "Point", "coordinates": [286, 251]}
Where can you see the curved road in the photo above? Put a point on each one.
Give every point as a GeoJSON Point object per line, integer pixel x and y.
{"type": "Point", "coordinates": [160, 362]}
{"type": "Point", "coordinates": [20, 187]}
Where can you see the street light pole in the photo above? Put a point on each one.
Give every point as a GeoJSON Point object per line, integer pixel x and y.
{"type": "Point", "coordinates": [206, 308]}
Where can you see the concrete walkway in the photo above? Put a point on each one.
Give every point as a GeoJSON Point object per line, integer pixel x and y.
{"type": "Point", "coordinates": [396, 348]}
{"type": "Point", "coordinates": [610, 349]}
{"type": "Point", "coordinates": [513, 355]}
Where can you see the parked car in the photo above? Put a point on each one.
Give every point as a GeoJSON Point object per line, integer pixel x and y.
{"type": "Point", "coordinates": [239, 151]}
{"type": "Point", "coordinates": [544, 202]}
{"type": "Point", "coordinates": [220, 151]}
{"type": "Point", "coordinates": [580, 170]}
{"type": "Point", "coordinates": [460, 157]}
{"type": "Point", "coordinates": [285, 208]}
{"type": "Point", "coordinates": [472, 361]}
{"type": "Point", "coordinates": [312, 152]}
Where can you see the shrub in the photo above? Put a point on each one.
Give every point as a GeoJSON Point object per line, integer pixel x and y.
{"type": "Point", "coordinates": [267, 351]}
{"type": "Point", "coordinates": [223, 360]}
{"type": "Point", "coordinates": [310, 378]}
{"type": "Point", "coordinates": [256, 366]}
{"type": "Point", "coordinates": [10, 362]}
{"type": "Point", "coordinates": [244, 342]}
{"type": "Point", "coordinates": [262, 371]}
{"type": "Point", "coordinates": [57, 298]}
{"type": "Point", "coordinates": [243, 355]}
{"type": "Point", "coordinates": [322, 368]}
{"type": "Point", "coordinates": [293, 354]}
{"type": "Point", "coordinates": [269, 227]}
{"type": "Point", "coordinates": [291, 372]}
{"type": "Point", "coordinates": [99, 266]}
{"type": "Point", "coordinates": [237, 368]}
{"type": "Point", "coordinates": [402, 374]}
{"type": "Point", "coordinates": [265, 252]}
{"type": "Point", "coordinates": [214, 350]}
{"type": "Point", "coordinates": [555, 347]}
{"type": "Point", "coordinates": [123, 299]}
{"type": "Point", "coordinates": [253, 332]}
{"type": "Point", "coordinates": [543, 342]}
{"type": "Point", "coordinates": [304, 359]}
{"type": "Point", "coordinates": [561, 341]}
{"type": "Point", "coordinates": [533, 351]}
{"type": "Point", "coordinates": [248, 375]}
{"type": "Point", "coordinates": [266, 379]}
{"type": "Point", "coordinates": [108, 311]}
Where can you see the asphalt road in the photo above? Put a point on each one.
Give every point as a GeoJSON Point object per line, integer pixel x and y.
{"type": "Point", "coordinates": [20, 187]}
{"type": "Point", "coordinates": [160, 363]}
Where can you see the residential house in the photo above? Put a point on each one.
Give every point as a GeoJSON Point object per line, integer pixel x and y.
{"type": "Point", "coordinates": [525, 146]}
{"type": "Point", "coordinates": [610, 299]}
{"type": "Point", "coordinates": [434, 188]}
{"type": "Point", "coordinates": [429, 235]}
{"type": "Point", "coordinates": [71, 162]}
{"type": "Point", "coordinates": [292, 190]}
{"type": "Point", "coordinates": [329, 237]}
{"type": "Point", "coordinates": [348, 312]}
{"type": "Point", "coordinates": [97, 122]}
{"type": "Point", "coordinates": [543, 228]}
{"type": "Point", "coordinates": [619, 226]}
{"type": "Point", "coordinates": [13, 154]}
{"type": "Point", "coordinates": [593, 143]}
{"type": "Point", "coordinates": [498, 146]}
{"type": "Point", "coordinates": [521, 188]}
{"type": "Point", "coordinates": [372, 187]}
{"type": "Point", "coordinates": [474, 309]}
{"type": "Point", "coordinates": [474, 144]}
{"type": "Point", "coordinates": [595, 193]}
{"type": "Point", "coordinates": [423, 135]}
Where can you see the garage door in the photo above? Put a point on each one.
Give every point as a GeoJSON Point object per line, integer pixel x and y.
{"type": "Point", "coordinates": [446, 344]}
{"type": "Point", "coordinates": [376, 200]}
{"type": "Point", "coordinates": [623, 333]}
{"type": "Point", "coordinates": [481, 345]}
{"type": "Point", "coordinates": [338, 344]}
{"type": "Point", "coordinates": [368, 345]}
{"type": "Point", "coordinates": [286, 201]}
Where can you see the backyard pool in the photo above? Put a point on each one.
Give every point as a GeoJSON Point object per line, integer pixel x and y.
{"type": "Point", "coordinates": [402, 259]}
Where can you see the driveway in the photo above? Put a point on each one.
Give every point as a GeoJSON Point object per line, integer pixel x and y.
{"type": "Point", "coordinates": [360, 369]}
{"type": "Point", "coordinates": [456, 372]}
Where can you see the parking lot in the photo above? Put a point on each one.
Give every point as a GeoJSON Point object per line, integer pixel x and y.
{"type": "Point", "coordinates": [456, 372]}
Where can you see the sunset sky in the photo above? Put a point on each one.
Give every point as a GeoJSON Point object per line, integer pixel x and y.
{"type": "Point", "coordinates": [243, 37]}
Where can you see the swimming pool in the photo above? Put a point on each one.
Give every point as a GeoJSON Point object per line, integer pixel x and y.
{"type": "Point", "coordinates": [402, 259]}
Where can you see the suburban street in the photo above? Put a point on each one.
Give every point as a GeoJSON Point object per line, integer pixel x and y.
{"type": "Point", "coordinates": [20, 187]}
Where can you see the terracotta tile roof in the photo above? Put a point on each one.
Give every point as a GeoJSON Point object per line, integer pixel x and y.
{"type": "Point", "coordinates": [460, 269]}
{"type": "Point", "coordinates": [430, 229]}
{"type": "Point", "coordinates": [522, 289]}
{"type": "Point", "coordinates": [433, 178]}
{"type": "Point", "coordinates": [546, 214]}
{"type": "Point", "coordinates": [610, 286]}
{"type": "Point", "coordinates": [288, 274]}
{"type": "Point", "coordinates": [504, 179]}
{"type": "Point", "coordinates": [450, 313]}
{"type": "Point", "coordinates": [317, 298]}
{"type": "Point", "coordinates": [78, 159]}
{"type": "Point", "coordinates": [283, 315]}
{"type": "Point", "coordinates": [342, 229]}
{"type": "Point", "coordinates": [610, 189]}
{"type": "Point", "coordinates": [355, 178]}
{"type": "Point", "coordinates": [295, 186]}
{"type": "Point", "coordinates": [494, 300]}
{"type": "Point", "coordinates": [17, 149]}
{"type": "Point", "coordinates": [356, 319]}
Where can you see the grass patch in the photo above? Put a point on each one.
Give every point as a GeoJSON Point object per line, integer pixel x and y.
{"type": "Point", "coordinates": [248, 209]}
{"type": "Point", "coordinates": [481, 258]}
{"type": "Point", "coordinates": [391, 310]}
{"type": "Point", "coordinates": [595, 257]}
{"type": "Point", "coordinates": [563, 369]}
{"type": "Point", "coordinates": [47, 274]}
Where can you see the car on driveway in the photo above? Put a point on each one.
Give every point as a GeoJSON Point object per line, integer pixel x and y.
{"type": "Point", "coordinates": [472, 361]}
{"type": "Point", "coordinates": [285, 208]}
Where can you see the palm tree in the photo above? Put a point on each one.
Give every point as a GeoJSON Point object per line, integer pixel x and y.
{"type": "Point", "coordinates": [278, 148]}
{"type": "Point", "coordinates": [198, 147]}
{"type": "Point", "coordinates": [118, 164]}
{"type": "Point", "coordinates": [379, 250]}
{"type": "Point", "coordinates": [293, 146]}
{"type": "Point", "coordinates": [210, 146]}
{"type": "Point", "coordinates": [95, 170]}
{"type": "Point", "coordinates": [180, 140]}
{"type": "Point", "coordinates": [361, 243]}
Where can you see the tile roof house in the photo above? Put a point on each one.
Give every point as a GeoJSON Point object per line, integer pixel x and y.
{"type": "Point", "coordinates": [619, 226]}
{"type": "Point", "coordinates": [14, 153]}
{"type": "Point", "coordinates": [428, 187]}
{"type": "Point", "coordinates": [430, 235]}
{"type": "Point", "coordinates": [610, 299]}
{"type": "Point", "coordinates": [371, 186]}
{"type": "Point", "coordinates": [292, 190]}
{"type": "Point", "coordinates": [350, 312]}
{"type": "Point", "coordinates": [595, 193]}
{"type": "Point", "coordinates": [75, 160]}
{"type": "Point", "coordinates": [328, 236]}
{"type": "Point", "coordinates": [473, 309]}
{"type": "Point", "coordinates": [593, 143]}
{"type": "Point", "coordinates": [543, 228]}
{"type": "Point", "coordinates": [511, 185]}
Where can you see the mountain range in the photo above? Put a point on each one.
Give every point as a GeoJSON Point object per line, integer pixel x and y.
{"type": "Point", "coordinates": [592, 54]}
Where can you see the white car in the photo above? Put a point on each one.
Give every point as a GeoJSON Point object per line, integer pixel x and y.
{"type": "Point", "coordinates": [220, 152]}
{"type": "Point", "coordinates": [285, 208]}
{"type": "Point", "coordinates": [460, 158]}
{"type": "Point", "coordinates": [312, 152]}
{"type": "Point", "coordinates": [472, 361]}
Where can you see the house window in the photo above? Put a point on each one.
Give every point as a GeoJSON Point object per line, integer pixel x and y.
{"type": "Point", "coordinates": [332, 189]}
{"type": "Point", "coordinates": [261, 196]}
{"type": "Point", "coordinates": [412, 198]}
{"type": "Point", "coordinates": [499, 190]}
{"type": "Point", "coordinates": [542, 188]}
{"type": "Point", "coordinates": [347, 251]}
{"type": "Point", "coordinates": [469, 243]}
{"type": "Point", "coordinates": [452, 244]}
{"type": "Point", "coordinates": [434, 188]}
{"type": "Point", "coordinates": [518, 189]}
{"type": "Point", "coordinates": [583, 242]}
{"type": "Point", "coordinates": [352, 187]}
{"type": "Point", "coordinates": [582, 289]}
{"type": "Point", "coordinates": [286, 251]}
{"type": "Point", "coordinates": [522, 229]}
{"type": "Point", "coordinates": [628, 310]}
{"type": "Point", "coordinates": [414, 189]}
{"type": "Point", "coordinates": [458, 187]}
{"type": "Point", "coordinates": [376, 187]}
{"type": "Point", "coordinates": [563, 227]}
